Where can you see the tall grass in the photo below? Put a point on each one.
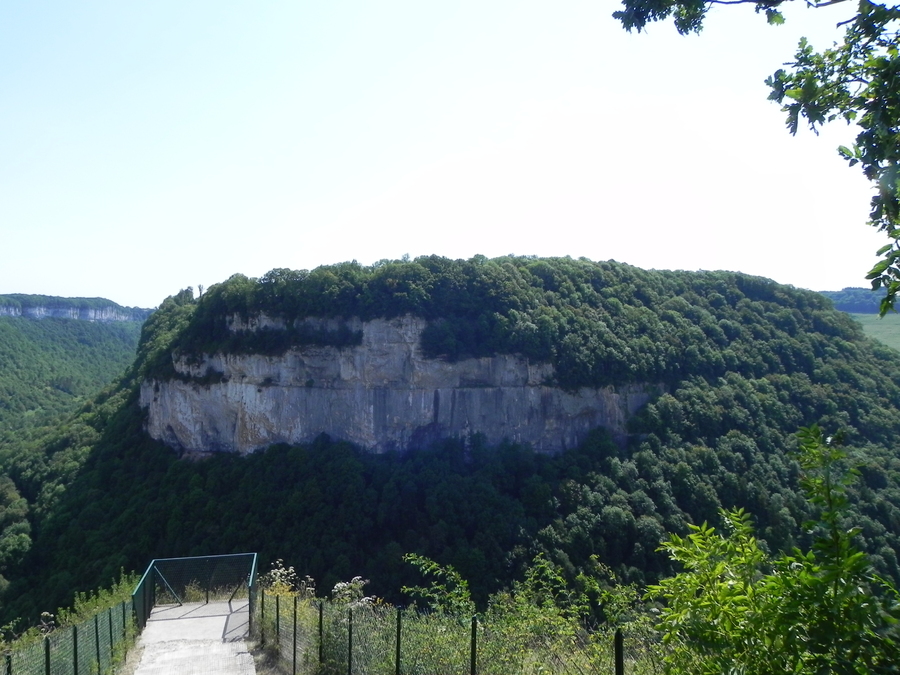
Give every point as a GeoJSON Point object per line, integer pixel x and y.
{"type": "Point", "coordinates": [435, 642]}
{"type": "Point", "coordinates": [91, 636]}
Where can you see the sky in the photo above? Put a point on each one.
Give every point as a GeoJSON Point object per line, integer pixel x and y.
{"type": "Point", "coordinates": [148, 147]}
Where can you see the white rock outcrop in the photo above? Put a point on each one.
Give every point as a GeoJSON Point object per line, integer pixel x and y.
{"type": "Point", "coordinates": [102, 314]}
{"type": "Point", "coordinates": [381, 395]}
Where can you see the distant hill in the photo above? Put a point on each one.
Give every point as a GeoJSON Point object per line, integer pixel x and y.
{"type": "Point", "coordinates": [49, 367]}
{"type": "Point", "coordinates": [855, 300]}
{"type": "Point", "coordinates": [87, 309]}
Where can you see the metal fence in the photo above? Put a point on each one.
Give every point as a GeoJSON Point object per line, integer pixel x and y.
{"type": "Point", "coordinates": [325, 638]}
{"type": "Point", "coordinates": [94, 646]}
{"type": "Point", "coordinates": [176, 581]}
{"type": "Point", "coordinates": [98, 645]}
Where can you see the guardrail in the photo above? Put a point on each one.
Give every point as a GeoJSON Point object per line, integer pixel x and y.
{"type": "Point", "coordinates": [175, 581]}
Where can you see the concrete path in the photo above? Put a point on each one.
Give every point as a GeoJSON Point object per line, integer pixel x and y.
{"type": "Point", "coordinates": [196, 639]}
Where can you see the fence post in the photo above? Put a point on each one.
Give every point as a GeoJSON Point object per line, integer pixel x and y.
{"type": "Point", "coordinates": [473, 645]}
{"type": "Point", "coordinates": [8, 663]}
{"type": "Point", "coordinates": [277, 620]}
{"type": "Point", "coordinates": [74, 650]}
{"type": "Point", "coordinates": [251, 607]}
{"type": "Point", "coordinates": [97, 640]}
{"type": "Point", "coordinates": [47, 655]}
{"type": "Point", "coordinates": [294, 651]}
{"type": "Point", "coordinates": [349, 641]}
{"type": "Point", "coordinates": [111, 643]}
{"type": "Point", "coordinates": [620, 652]}
{"type": "Point", "coordinates": [150, 586]}
{"type": "Point", "coordinates": [321, 632]}
{"type": "Point", "coordinates": [124, 628]}
{"type": "Point", "coordinates": [397, 652]}
{"type": "Point", "coordinates": [262, 617]}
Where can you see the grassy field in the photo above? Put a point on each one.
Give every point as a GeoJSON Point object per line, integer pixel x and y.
{"type": "Point", "coordinates": [887, 330]}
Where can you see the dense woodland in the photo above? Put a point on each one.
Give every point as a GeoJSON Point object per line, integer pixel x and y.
{"type": "Point", "coordinates": [49, 368]}
{"type": "Point", "coordinates": [742, 363]}
{"type": "Point", "coordinates": [855, 300]}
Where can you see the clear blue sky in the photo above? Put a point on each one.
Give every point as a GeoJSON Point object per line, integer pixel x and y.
{"type": "Point", "coordinates": [147, 147]}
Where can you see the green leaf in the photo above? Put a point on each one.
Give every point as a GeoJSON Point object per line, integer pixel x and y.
{"type": "Point", "coordinates": [878, 269]}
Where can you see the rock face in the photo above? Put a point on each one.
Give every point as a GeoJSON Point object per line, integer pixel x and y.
{"type": "Point", "coordinates": [381, 395]}
{"type": "Point", "coordinates": [111, 313]}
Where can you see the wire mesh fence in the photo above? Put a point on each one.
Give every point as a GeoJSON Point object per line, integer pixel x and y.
{"type": "Point", "coordinates": [314, 637]}
{"type": "Point", "coordinates": [95, 646]}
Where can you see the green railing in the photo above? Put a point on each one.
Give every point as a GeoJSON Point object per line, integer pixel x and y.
{"type": "Point", "coordinates": [322, 638]}
{"type": "Point", "coordinates": [96, 645]}
{"type": "Point", "coordinates": [176, 581]}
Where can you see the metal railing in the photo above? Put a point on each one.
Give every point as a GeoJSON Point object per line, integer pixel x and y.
{"type": "Point", "coordinates": [176, 581]}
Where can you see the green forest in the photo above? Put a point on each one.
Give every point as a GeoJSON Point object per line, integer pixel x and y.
{"type": "Point", "coordinates": [742, 364]}
{"type": "Point", "coordinates": [49, 368]}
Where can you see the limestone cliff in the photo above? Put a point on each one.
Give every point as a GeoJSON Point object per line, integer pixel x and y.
{"type": "Point", "coordinates": [86, 309]}
{"type": "Point", "coordinates": [382, 394]}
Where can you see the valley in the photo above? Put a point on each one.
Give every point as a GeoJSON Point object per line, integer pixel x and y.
{"type": "Point", "coordinates": [730, 367]}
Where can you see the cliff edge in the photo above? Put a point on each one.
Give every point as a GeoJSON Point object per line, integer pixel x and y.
{"type": "Point", "coordinates": [382, 394]}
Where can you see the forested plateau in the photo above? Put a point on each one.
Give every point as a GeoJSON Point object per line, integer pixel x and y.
{"type": "Point", "coordinates": [738, 363]}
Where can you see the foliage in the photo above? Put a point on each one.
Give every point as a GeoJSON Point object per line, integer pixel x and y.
{"type": "Point", "coordinates": [854, 300]}
{"type": "Point", "coordinates": [733, 609]}
{"type": "Point", "coordinates": [48, 369]}
{"type": "Point", "coordinates": [541, 624]}
{"type": "Point", "coordinates": [87, 604]}
{"type": "Point", "coordinates": [855, 81]}
{"type": "Point", "coordinates": [281, 580]}
{"type": "Point", "coordinates": [596, 323]}
{"type": "Point", "coordinates": [448, 592]}
{"type": "Point", "coordinates": [753, 361]}
{"type": "Point", "coordinates": [351, 592]}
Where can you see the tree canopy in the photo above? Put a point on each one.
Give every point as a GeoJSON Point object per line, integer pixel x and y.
{"type": "Point", "coordinates": [742, 362]}
{"type": "Point", "coordinates": [856, 80]}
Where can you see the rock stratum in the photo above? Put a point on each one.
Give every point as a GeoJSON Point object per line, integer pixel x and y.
{"type": "Point", "coordinates": [81, 309]}
{"type": "Point", "coordinates": [382, 395]}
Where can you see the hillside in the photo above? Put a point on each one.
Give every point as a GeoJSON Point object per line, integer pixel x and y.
{"type": "Point", "coordinates": [885, 328]}
{"type": "Point", "coordinates": [740, 363]}
{"type": "Point", "coordinates": [49, 367]}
